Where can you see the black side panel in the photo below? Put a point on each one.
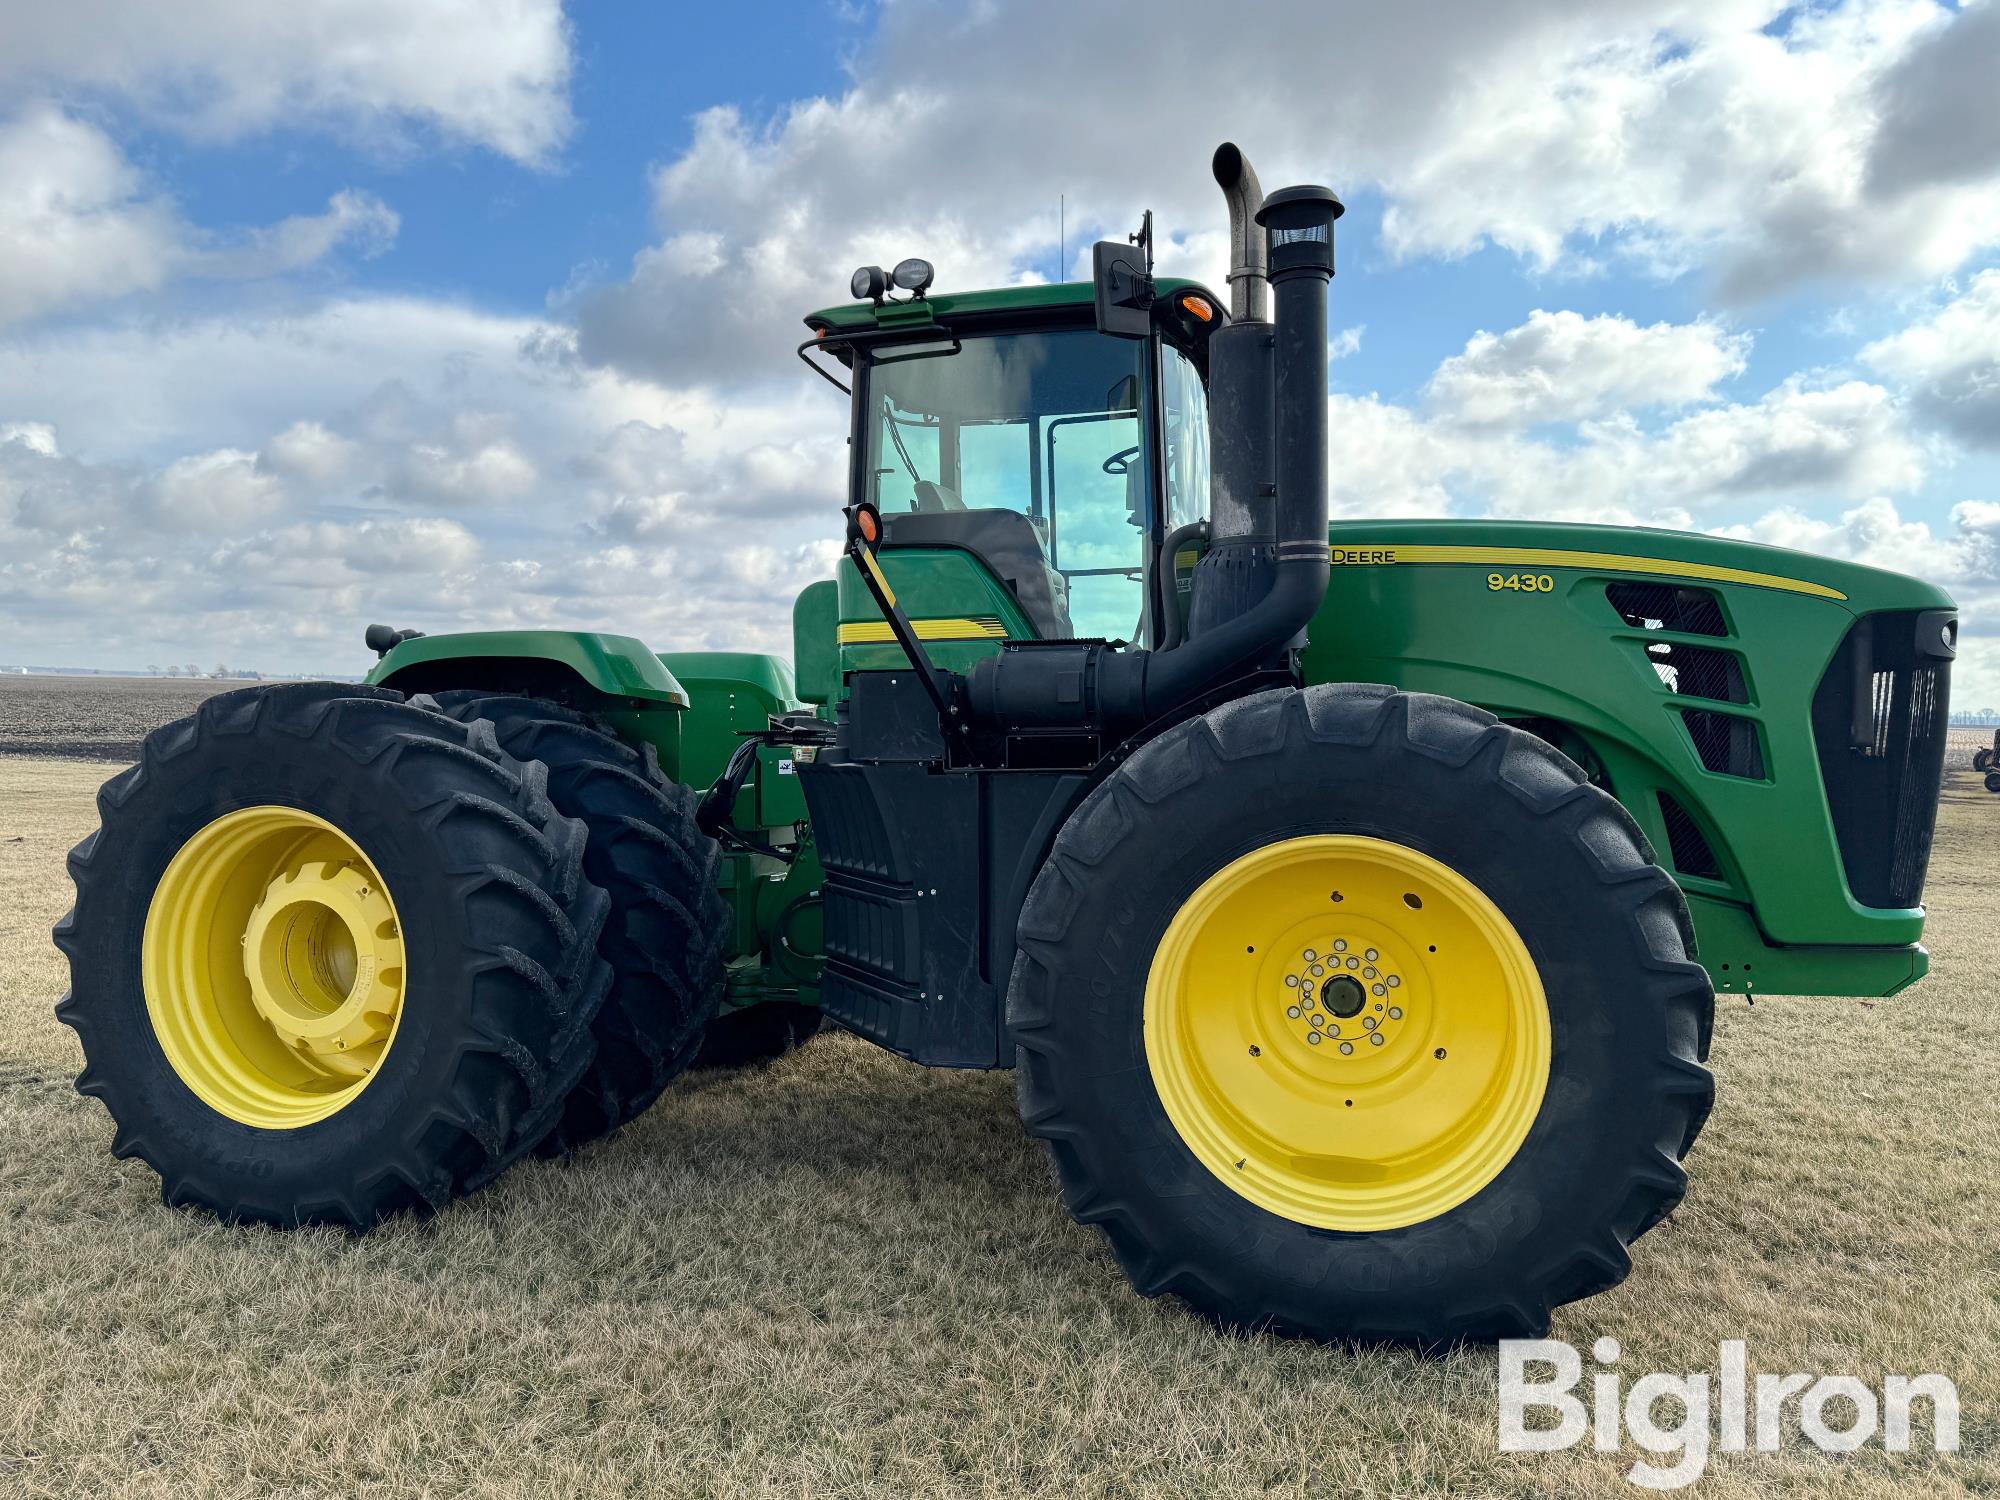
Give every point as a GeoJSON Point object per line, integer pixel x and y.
{"type": "Point", "coordinates": [926, 870]}
{"type": "Point", "coordinates": [1879, 721]}
{"type": "Point", "coordinates": [900, 847]}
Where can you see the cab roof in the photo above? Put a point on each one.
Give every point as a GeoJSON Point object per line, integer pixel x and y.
{"type": "Point", "coordinates": [1063, 295]}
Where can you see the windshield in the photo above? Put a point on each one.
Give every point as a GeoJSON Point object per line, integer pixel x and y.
{"type": "Point", "coordinates": [1043, 424]}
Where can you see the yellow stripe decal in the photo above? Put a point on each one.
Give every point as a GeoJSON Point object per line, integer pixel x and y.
{"type": "Point", "coordinates": [877, 632]}
{"type": "Point", "coordinates": [875, 572]}
{"type": "Point", "coordinates": [1595, 562]}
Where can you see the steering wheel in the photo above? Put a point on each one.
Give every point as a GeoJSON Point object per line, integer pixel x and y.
{"type": "Point", "coordinates": [1121, 461]}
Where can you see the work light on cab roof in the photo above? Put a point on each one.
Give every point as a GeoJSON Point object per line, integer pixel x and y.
{"type": "Point", "coordinates": [872, 283]}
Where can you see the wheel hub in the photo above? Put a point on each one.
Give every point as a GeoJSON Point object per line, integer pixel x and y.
{"type": "Point", "coordinates": [1343, 996]}
{"type": "Point", "coordinates": [323, 956]}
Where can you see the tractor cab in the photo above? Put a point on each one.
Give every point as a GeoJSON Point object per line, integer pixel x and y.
{"type": "Point", "coordinates": [1006, 425]}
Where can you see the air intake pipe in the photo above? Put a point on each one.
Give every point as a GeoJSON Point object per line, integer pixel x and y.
{"type": "Point", "coordinates": [1090, 686]}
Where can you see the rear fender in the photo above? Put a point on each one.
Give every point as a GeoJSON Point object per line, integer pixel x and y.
{"type": "Point", "coordinates": [571, 663]}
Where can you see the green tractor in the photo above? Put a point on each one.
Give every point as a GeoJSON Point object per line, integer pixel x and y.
{"type": "Point", "coordinates": [1349, 899]}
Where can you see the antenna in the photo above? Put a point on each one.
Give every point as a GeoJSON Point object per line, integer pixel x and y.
{"type": "Point", "coordinates": [1062, 236]}
{"type": "Point", "coordinates": [1144, 239]}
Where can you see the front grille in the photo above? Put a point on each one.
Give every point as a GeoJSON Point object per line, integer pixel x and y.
{"type": "Point", "coordinates": [1879, 725]}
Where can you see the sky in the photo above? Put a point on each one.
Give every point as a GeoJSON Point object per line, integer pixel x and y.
{"type": "Point", "coordinates": [473, 313]}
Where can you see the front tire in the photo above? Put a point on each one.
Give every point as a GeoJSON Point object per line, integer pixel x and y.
{"type": "Point", "coordinates": [1520, 1120]}
{"type": "Point", "coordinates": [1982, 760]}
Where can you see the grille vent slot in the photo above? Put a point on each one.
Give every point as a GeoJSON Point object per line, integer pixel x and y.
{"type": "Point", "coordinates": [1698, 671]}
{"type": "Point", "coordinates": [1690, 851]}
{"type": "Point", "coordinates": [1727, 744]}
{"type": "Point", "coordinates": [1665, 606]}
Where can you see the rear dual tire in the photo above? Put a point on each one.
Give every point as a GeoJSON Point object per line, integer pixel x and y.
{"type": "Point", "coordinates": [336, 953]}
{"type": "Point", "coordinates": [473, 1049]}
{"type": "Point", "coordinates": [669, 929]}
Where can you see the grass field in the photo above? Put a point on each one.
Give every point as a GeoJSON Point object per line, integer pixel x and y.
{"type": "Point", "coordinates": [844, 1275]}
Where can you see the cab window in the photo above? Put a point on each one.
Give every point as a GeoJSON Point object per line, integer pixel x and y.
{"type": "Point", "coordinates": [1184, 433]}
{"type": "Point", "coordinates": [1045, 424]}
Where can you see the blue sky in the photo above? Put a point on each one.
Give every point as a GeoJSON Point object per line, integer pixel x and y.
{"type": "Point", "coordinates": [479, 225]}
{"type": "Point", "coordinates": [464, 314]}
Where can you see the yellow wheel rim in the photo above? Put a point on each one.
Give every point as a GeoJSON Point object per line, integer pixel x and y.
{"type": "Point", "coordinates": [1347, 1032]}
{"type": "Point", "coordinates": [273, 967]}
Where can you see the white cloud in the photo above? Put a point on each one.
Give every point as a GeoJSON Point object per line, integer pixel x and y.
{"type": "Point", "coordinates": [457, 470]}
{"type": "Point", "coordinates": [1938, 123]}
{"type": "Point", "coordinates": [307, 450]}
{"type": "Point", "coordinates": [78, 224]}
{"type": "Point", "coordinates": [493, 73]}
{"type": "Point", "coordinates": [1951, 361]}
{"type": "Point", "coordinates": [358, 220]}
{"type": "Point", "coordinates": [1726, 138]}
{"type": "Point", "coordinates": [37, 437]}
{"type": "Point", "coordinates": [1560, 366]}
{"type": "Point", "coordinates": [1843, 439]}
{"type": "Point", "coordinates": [73, 221]}
{"type": "Point", "coordinates": [1709, 138]}
{"type": "Point", "coordinates": [474, 459]}
{"type": "Point", "coordinates": [1965, 559]}
{"type": "Point", "coordinates": [220, 492]}
{"type": "Point", "coordinates": [1846, 440]}
{"type": "Point", "coordinates": [317, 554]}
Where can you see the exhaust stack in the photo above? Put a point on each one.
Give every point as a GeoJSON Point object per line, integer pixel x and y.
{"type": "Point", "coordinates": [1249, 290]}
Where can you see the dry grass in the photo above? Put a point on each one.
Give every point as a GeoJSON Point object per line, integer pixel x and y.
{"type": "Point", "coordinates": [844, 1275]}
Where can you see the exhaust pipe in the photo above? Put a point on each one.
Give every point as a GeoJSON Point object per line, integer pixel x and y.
{"type": "Point", "coordinates": [1249, 291]}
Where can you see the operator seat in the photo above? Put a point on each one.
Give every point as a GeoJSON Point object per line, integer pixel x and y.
{"type": "Point", "coordinates": [930, 498]}
{"type": "Point", "coordinates": [1011, 544]}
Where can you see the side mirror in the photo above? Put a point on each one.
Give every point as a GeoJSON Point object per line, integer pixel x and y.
{"type": "Point", "coordinates": [1124, 289]}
